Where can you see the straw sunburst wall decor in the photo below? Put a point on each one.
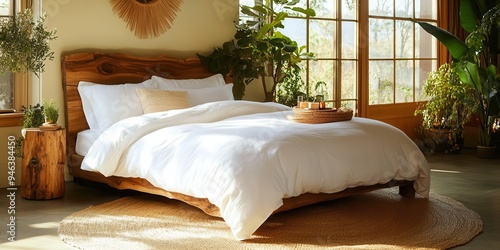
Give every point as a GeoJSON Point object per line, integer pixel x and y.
{"type": "Point", "coordinates": [147, 18]}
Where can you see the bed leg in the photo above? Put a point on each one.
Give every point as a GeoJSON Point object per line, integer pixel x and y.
{"type": "Point", "coordinates": [407, 190]}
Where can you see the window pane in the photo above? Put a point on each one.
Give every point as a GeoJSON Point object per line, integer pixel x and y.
{"type": "Point", "coordinates": [300, 3]}
{"type": "Point", "coordinates": [381, 82]}
{"type": "Point", "coordinates": [426, 9]}
{"type": "Point", "coordinates": [349, 9]}
{"type": "Point", "coordinates": [381, 38]}
{"type": "Point", "coordinates": [404, 81]}
{"type": "Point", "coordinates": [425, 44]}
{"type": "Point", "coordinates": [323, 71]}
{"type": "Point", "coordinates": [349, 40]}
{"type": "Point", "coordinates": [423, 68]}
{"type": "Point", "coordinates": [323, 38]}
{"type": "Point", "coordinates": [350, 104]}
{"type": "Point", "coordinates": [381, 8]}
{"type": "Point", "coordinates": [325, 8]}
{"type": "Point", "coordinates": [404, 39]}
{"type": "Point", "coordinates": [349, 80]}
{"type": "Point", "coordinates": [404, 8]}
{"type": "Point", "coordinates": [296, 30]}
{"type": "Point", "coordinates": [5, 7]}
{"type": "Point", "coordinates": [6, 91]}
{"type": "Point", "coordinates": [248, 2]}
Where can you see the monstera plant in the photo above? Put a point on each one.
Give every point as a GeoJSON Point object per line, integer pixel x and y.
{"type": "Point", "coordinates": [475, 59]}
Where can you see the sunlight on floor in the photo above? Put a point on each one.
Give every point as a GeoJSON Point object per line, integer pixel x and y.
{"type": "Point", "coordinates": [45, 225]}
{"type": "Point", "coordinates": [445, 171]}
{"type": "Point", "coordinates": [42, 242]}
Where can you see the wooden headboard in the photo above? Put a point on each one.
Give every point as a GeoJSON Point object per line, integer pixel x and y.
{"type": "Point", "coordinates": [116, 68]}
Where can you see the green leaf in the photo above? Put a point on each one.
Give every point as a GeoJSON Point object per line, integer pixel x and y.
{"type": "Point", "coordinates": [277, 43]}
{"type": "Point", "coordinates": [470, 14]}
{"type": "Point", "coordinates": [307, 12]}
{"type": "Point", "coordinates": [456, 47]}
{"type": "Point", "coordinates": [248, 11]}
{"type": "Point", "coordinates": [260, 9]}
{"type": "Point", "coordinates": [289, 48]}
{"type": "Point", "coordinates": [469, 73]}
{"type": "Point", "coordinates": [262, 46]}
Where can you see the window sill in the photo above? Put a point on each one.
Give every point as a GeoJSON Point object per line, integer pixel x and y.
{"type": "Point", "coordinates": [11, 119]}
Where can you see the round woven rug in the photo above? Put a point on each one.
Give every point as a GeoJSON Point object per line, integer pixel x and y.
{"type": "Point", "coordinates": [377, 220]}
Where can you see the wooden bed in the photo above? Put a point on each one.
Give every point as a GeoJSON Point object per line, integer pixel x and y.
{"type": "Point", "coordinates": [124, 68]}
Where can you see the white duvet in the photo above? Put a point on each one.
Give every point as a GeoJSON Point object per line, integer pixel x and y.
{"type": "Point", "coordinates": [245, 157]}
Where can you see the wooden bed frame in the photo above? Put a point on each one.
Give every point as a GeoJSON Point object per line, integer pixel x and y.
{"type": "Point", "coordinates": [125, 68]}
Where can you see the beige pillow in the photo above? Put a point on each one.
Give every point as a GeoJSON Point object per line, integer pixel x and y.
{"type": "Point", "coordinates": [156, 100]}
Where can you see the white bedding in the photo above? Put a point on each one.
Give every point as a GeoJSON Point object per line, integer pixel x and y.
{"type": "Point", "coordinates": [85, 139]}
{"type": "Point", "coordinates": [246, 156]}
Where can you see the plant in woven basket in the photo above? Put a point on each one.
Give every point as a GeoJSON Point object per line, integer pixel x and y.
{"type": "Point", "coordinates": [450, 106]}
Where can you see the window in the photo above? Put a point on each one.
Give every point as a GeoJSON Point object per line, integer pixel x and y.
{"type": "Point", "coordinates": [399, 53]}
{"type": "Point", "coordinates": [333, 36]}
{"type": "Point", "coordinates": [6, 78]}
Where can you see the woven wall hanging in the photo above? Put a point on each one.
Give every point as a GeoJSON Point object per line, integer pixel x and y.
{"type": "Point", "coordinates": [147, 18]}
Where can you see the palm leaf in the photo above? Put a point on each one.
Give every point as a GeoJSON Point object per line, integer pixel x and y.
{"type": "Point", "coordinates": [456, 47]}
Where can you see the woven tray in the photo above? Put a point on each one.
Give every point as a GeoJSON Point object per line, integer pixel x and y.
{"type": "Point", "coordinates": [321, 115]}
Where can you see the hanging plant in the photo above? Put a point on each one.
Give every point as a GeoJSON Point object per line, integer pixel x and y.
{"type": "Point", "coordinates": [24, 43]}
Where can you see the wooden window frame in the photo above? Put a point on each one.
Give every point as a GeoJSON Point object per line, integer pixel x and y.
{"type": "Point", "coordinates": [21, 82]}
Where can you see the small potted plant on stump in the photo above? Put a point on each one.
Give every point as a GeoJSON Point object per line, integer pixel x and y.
{"type": "Point", "coordinates": [51, 114]}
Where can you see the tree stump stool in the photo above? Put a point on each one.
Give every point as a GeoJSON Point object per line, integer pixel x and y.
{"type": "Point", "coordinates": [42, 172]}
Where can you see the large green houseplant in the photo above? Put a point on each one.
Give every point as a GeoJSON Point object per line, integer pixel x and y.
{"type": "Point", "coordinates": [449, 107]}
{"type": "Point", "coordinates": [475, 59]}
{"type": "Point", "coordinates": [260, 50]}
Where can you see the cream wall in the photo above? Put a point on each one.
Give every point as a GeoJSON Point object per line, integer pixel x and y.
{"type": "Point", "coordinates": [4, 156]}
{"type": "Point", "coordinates": [91, 25]}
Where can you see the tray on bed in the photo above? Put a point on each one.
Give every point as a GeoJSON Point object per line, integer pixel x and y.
{"type": "Point", "coordinates": [314, 116]}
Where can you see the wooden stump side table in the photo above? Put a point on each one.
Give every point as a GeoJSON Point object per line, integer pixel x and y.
{"type": "Point", "coordinates": [42, 172]}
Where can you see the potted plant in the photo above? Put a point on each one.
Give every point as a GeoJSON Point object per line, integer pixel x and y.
{"type": "Point", "coordinates": [24, 43]}
{"type": "Point", "coordinates": [475, 61]}
{"type": "Point", "coordinates": [260, 50]}
{"type": "Point", "coordinates": [33, 116]}
{"type": "Point", "coordinates": [449, 107]}
{"type": "Point", "coordinates": [51, 113]}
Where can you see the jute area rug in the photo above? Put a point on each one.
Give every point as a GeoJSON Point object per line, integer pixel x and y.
{"type": "Point", "coordinates": [377, 220]}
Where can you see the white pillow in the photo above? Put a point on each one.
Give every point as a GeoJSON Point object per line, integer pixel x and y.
{"type": "Point", "coordinates": [104, 105]}
{"type": "Point", "coordinates": [205, 95]}
{"type": "Point", "coordinates": [212, 81]}
{"type": "Point", "coordinates": [87, 107]}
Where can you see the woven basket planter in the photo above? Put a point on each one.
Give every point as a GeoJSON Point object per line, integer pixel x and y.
{"type": "Point", "coordinates": [314, 116]}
